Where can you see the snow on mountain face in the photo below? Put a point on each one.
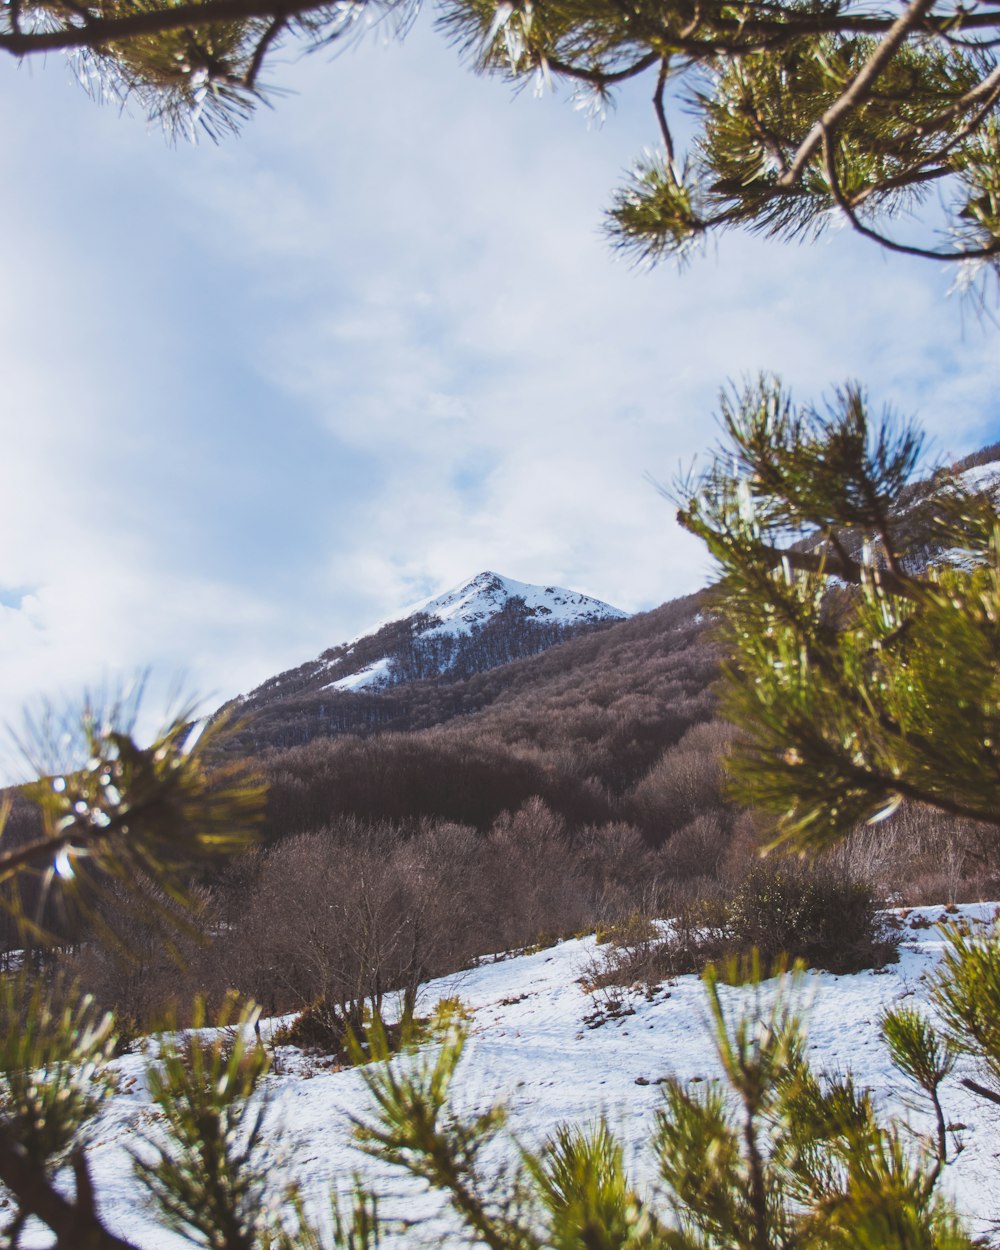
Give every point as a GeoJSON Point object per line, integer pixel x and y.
{"type": "Point", "coordinates": [982, 477]}
{"type": "Point", "coordinates": [464, 607]}
{"type": "Point", "coordinates": [461, 613]}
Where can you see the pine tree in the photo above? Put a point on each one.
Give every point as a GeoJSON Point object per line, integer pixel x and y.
{"type": "Point", "coordinates": [859, 611]}
{"type": "Point", "coordinates": [141, 816]}
{"type": "Point", "coordinates": [803, 112]}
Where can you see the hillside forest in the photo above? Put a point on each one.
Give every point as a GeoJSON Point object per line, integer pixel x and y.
{"type": "Point", "coordinates": [575, 789]}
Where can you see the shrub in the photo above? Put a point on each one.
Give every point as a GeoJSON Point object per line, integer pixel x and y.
{"type": "Point", "coordinates": [448, 1013]}
{"type": "Point", "coordinates": [782, 909]}
{"type": "Point", "coordinates": [641, 953]}
{"type": "Point", "coordinates": [127, 1034]}
{"type": "Point", "coordinates": [318, 1026]}
{"type": "Point", "coordinates": [813, 913]}
{"type": "Point", "coordinates": [348, 1038]}
{"type": "Point", "coordinates": [635, 929]}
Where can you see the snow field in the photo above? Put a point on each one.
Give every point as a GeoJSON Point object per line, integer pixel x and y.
{"type": "Point", "coordinates": [530, 1049]}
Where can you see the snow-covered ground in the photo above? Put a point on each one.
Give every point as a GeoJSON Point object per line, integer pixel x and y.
{"type": "Point", "coordinates": [530, 1048]}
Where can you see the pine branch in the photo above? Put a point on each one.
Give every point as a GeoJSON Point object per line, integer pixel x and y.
{"type": "Point", "coordinates": [262, 49]}
{"type": "Point", "coordinates": [982, 1090]}
{"type": "Point", "coordinates": [883, 240]}
{"type": "Point", "coordinates": [858, 91]}
{"type": "Point", "coordinates": [984, 93]}
{"type": "Point", "coordinates": [601, 78]}
{"type": "Point", "coordinates": [103, 31]}
{"type": "Point", "coordinates": [77, 1226]}
{"type": "Point", "coordinates": [842, 566]}
{"type": "Point", "coordinates": [42, 852]}
{"type": "Point", "coordinates": [661, 112]}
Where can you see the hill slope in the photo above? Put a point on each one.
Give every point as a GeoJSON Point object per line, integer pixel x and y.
{"type": "Point", "coordinates": [532, 1049]}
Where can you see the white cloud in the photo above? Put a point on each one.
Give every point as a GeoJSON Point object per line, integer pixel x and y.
{"type": "Point", "coordinates": [258, 396]}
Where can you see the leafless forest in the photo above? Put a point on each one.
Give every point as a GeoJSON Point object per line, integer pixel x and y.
{"type": "Point", "coordinates": [580, 788]}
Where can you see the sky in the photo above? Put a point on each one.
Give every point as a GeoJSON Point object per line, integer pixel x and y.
{"type": "Point", "coordinates": [257, 396]}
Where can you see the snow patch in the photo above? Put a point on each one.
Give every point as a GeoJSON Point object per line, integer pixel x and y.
{"type": "Point", "coordinates": [373, 675]}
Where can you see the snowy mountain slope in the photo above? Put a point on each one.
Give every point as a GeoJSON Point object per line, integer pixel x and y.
{"type": "Point", "coordinates": [985, 477]}
{"type": "Point", "coordinates": [431, 665]}
{"type": "Point", "coordinates": [531, 1049]}
{"type": "Point", "coordinates": [461, 609]}
{"type": "Point", "coordinates": [459, 613]}
{"type": "Point", "coordinates": [485, 622]}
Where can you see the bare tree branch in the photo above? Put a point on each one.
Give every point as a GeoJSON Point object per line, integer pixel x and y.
{"type": "Point", "coordinates": [101, 32]}
{"type": "Point", "coordinates": [601, 78]}
{"type": "Point", "coordinates": [262, 49]}
{"type": "Point", "coordinates": [661, 112]}
{"type": "Point", "coordinates": [982, 1090]}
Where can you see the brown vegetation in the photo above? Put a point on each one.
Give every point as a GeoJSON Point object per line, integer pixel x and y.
{"type": "Point", "coordinates": [586, 789]}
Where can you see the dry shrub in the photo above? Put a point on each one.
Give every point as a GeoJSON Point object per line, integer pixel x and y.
{"type": "Point", "coordinates": [641, 953]}
{"type": "Point", "coordinates": [318, 1027]}
{"type": "Point", "coordinates": [920, 855]}
{"type": "Point", "coordinates": [782, 908]}
{"type": "Point", "coordinates": [814, 913]}
{"type": "Point", "coordinates": [942, 859]}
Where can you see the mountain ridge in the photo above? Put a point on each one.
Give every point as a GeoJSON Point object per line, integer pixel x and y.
{"type": "Point", "coordinates": [449, 658]}
{"type": "Point", "coordinates": [483, 623]}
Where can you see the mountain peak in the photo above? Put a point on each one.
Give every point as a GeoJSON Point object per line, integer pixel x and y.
{"type": "Point", "coordinates": [474, 602]}
{"type": "Point", "coordinates": [482, 623]}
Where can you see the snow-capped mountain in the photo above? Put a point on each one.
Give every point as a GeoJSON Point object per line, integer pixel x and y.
{"type": "Point", "coordinates": [478, 625]}
{"type": "Point", "coordinates": [443, 625]}
{"type": "Point", "coordinates": [465, 607]}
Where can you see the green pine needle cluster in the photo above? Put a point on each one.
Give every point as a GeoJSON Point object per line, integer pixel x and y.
{"type": "Point", "coordinates": [209, 1179]}
{"type": "Point", "coordinates": [54, 1046]}
{"type": "Point", "coordinates": [772, 1156]}
{"type": "Point", "coordinates": [967, 994]}
{"type": "Point", "coordinates": [138, 816]}
{"type": "Point", "coordinates": [859, 612]}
